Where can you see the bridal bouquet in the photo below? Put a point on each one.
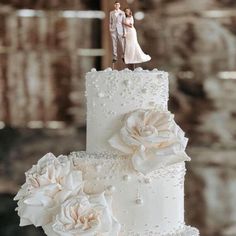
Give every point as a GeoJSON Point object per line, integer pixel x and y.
{"type": "Point", "coordinates": [52, 197]}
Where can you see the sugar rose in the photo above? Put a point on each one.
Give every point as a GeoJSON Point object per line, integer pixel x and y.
{"type": "Point", "coordinates": [152, 138]}
{"type": "Point", "coordinates": [48, 184]}
{"type": "Point", "coordinates": [85, 216]}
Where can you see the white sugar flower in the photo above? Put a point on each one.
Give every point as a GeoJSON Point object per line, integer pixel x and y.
{"type": "Point", "coordinates": [48, 184]}
{"type": "Point", "coordinates": [85, 216]}
{"type": "Point", "coordinates": [152, 138]}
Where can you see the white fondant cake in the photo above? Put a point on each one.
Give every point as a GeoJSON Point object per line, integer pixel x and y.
{"type": "Point", "coordinates": [112, 94]}
{"type": "Point", "coordinates": [130, 179]}
{"type": "Point", "coordinates": [142, 204]}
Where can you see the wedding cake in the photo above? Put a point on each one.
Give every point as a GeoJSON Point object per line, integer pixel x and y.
{"type": "Point", "coordinates": [130, 179]}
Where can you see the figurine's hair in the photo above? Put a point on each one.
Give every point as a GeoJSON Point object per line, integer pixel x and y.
{"type": "Point", "coordinates": [116, 2]}
{"type": "Point", "coordinates": [127, 8]}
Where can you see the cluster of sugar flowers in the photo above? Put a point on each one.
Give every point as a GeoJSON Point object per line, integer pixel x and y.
{"type": "Point", "coordinates": [52, 197]}
{"type": "Point", "coordinates": [152, 138]}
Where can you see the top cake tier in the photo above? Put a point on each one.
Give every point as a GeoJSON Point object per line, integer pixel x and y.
{"type": "Point", "coordinates": [111, 94]}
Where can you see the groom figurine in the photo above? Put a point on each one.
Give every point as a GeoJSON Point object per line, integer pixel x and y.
{"type": "Point", "coordinates": [117, 30]}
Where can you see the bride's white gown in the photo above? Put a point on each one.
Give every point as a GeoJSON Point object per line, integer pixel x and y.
{"type": "Point", "coordinates": [133, 51]}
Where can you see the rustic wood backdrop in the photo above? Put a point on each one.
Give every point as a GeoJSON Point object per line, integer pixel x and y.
{"type": "Point", "coordinates": [43, 59]}
{"type": "Point", "coordinates": [41, 69]}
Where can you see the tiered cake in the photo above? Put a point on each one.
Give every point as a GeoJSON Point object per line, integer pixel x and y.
{"type": "Point", "coordinates": [130, 180]}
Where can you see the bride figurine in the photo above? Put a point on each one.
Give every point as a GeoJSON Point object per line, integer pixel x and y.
{"type": "Point", "coordinates": [133, 52]}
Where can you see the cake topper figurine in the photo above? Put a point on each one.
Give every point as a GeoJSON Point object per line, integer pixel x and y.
{"type": "Point", "coordinates": [133, 52]}
{"type": "Point", "coordinates": [123, 34]}
{"type": "Point", "coordinates": [117, 30]}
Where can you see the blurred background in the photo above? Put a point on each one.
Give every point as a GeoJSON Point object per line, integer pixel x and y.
{"type": "Point", "coordinates": [47, 46]}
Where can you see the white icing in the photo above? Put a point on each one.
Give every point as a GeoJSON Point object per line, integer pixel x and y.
{"type": "Point", "coordinates": [140, 206]}
{"type": "Point", "coordinates": [132, 204]}
{"type": "Point", "coordinates": [144, 205]}
{"type": "Point", "coordinates": [111, 94]}
{"type": "Point", "coordinates": [139, 201]}
{"type": "Point", "coordinates": [185, 231]}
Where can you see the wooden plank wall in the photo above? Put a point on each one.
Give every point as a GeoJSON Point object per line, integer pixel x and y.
{"type": "Point", "coordinates": [40, 67]}
{"type": "Point", "coordinates": [46, 4]}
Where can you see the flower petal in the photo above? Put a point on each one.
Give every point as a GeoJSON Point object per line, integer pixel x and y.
{"type": "Point", "coordinates": [118, 144]}
{"type": "Point", "coordinates": [147, 161]}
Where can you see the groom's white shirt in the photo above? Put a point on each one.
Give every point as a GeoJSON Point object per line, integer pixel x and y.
{"type": "Point", "coordinates": [117, 12]}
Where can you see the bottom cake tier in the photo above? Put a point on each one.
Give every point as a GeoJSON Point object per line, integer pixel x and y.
{"type": "Point", "coordinates": [186, 231]}
{"type": "Point", "coordinates": [144, 205]}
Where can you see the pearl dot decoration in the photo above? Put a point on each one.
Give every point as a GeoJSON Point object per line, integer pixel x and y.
{"type": "Point", "coordinates": [98, 168]}
{"type": "Point", "coordinates": [126, 177]}
{"type": "Point", "coordinates": [111, 189]}
{"type": "Point", "coordinates": [139, 201]}
{"type": "Point", "coordinates": [127, 82]}
{"type": "Point", "coordinates": [144, 90]}
{"type": "Point", "coordinates": [147, 180]}
{"type": "Point", "coordinates": [138, 69]}
{"type": "Point", "coordinates": [101, 95]}
{"type": "Point", "coordinates": [109, 69]}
